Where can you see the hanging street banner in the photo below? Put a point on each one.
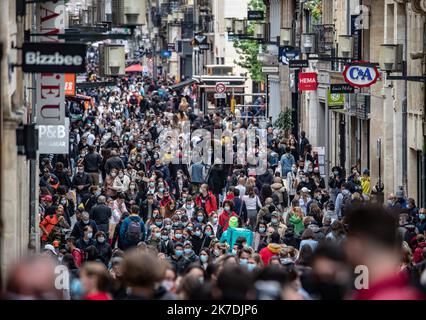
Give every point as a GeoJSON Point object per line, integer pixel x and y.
{"type": "Point", "coordinates": [287, 53]}
{"type": "Point", "coordinates": [335, 100]}
{"type": "Point", "coordinates": [255, 15]}
{"type": "Point", "coordinates": [50, 87]}
{"type": "Point", "coordinates": [308, 81]}
{"type": "Point", "coordinates": [361, 74]}
{"type": "Point", "coordinates": [341, 88]}
{"type": "Point", "coordinates": [42, 57]}
{"type": "Point", "coordinates": [54, 139]}
{"type": "Point", "coordinates": [70, 84]}
{"type": "Point", "coordinates": [297, 64]}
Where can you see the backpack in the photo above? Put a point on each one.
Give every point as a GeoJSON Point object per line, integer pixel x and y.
{"type": "Point", "coordinates": [346, 203]}
{"type": "Point", "coordinates": [134, 233]}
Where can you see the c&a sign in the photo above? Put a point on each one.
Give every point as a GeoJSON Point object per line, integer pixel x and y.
{"type": "Point", "coordinates": [361, 74]}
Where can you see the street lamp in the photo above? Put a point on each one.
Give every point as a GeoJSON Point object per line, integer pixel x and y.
{"type": "Point", "coordinates": [229, 24]}
{"type": "Point", "coordinates": [239, 26]}
{"type": "Point", "coordinates": [308, 43]}
{"type": "Point", "coordinates": [345, 47]}
{"type": "Point", "coordinates": [259, 30]}
{"type": "Point", "coordinates": [286, 36]}
{"type": "Point", "coordinates": [388, 59]}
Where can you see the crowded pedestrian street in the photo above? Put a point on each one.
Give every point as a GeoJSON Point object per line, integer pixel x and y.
{"type": "Point", "coordinates": [192, 150]}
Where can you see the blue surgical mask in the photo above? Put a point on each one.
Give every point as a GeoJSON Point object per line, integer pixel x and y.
{"type": "Point", "coordinates": [200, 218]}
{"type": "Point", "coordinates": [178, 235]}
{"type": "Point", "coordinates": [243, 261]}
{"type": "Point", "coordinates": [234, 252]}
{"type": "Point", "coordinates": [262, 229]}
{"type": "Point", "coordinates": [187, 251]}
{"type": "Point", "coordinates": [158, 234]}
{"type": "Point", "coordinates": [204, 258]}
{"type": "Point", "coordinates": [168, 227]}
{"type": "Point", "coordinates": [197, 233]}
{"type": "Point", "coordinates": [158, 223]}
{"type": "Point", "coordinates": [76, 288]}
{"type": "Point", "coordinates": [214, 220]}
{"type": "Point", "coordinates": [178, 253]}
{"type": "Point", "coordinates": [165, 237]}
{"type": "Point", "coordinates": [421, 216]}
{"type": "Point", "coordinates": [251, 266]}
{"type": "Point", "coordinates": [190, 228]}
{"type": "Point", "coordinates": [208, 233]}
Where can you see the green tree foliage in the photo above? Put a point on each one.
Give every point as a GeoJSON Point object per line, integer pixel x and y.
{"type": "Point", "coordinates": [248, 49]}
{"type": "Point", "coordinates": [284, 121]}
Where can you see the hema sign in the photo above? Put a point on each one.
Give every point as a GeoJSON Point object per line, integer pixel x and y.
{"type": "Point", "coordinates": [54, 57]}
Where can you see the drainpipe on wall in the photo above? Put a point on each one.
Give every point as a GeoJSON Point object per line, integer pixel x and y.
{"type": "Point", "coordinates": [405, 107]}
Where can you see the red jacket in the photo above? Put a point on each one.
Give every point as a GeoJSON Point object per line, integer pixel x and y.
{"type": "Point", "coordinates": [78, 257]}
{"type": "Point", "coordinates": [98, 296]}
{"type": "Point", "coordinates": [224, 219]}
{"type": "Point", "coordinates": [396, 287]}
{"type": "Point", "coordinates": [268, 252]}
{"type": "Point", "coordinates": [210, 204]}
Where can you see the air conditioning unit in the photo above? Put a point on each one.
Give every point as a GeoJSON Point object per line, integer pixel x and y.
{"type": "Point", "coordinates": [113, 58]}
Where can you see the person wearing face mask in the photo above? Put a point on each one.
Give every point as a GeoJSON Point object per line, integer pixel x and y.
{"type": "Point", "coordinates": [421, 224]}
{"type": "Point", "coordinates": [78, 229]}
{"type": "Point", "coordinates": [113, 162]}
{"type": "Point", "coordinates": [178, 261]}
{"type": "Point", "coordinates": [197, 238]}
{"type": "Point", "coordinates": [214, 222]}
{"type": "Point", "coordinates": [68, 206]}
{"type": "Point", "coordinates": [166, 245]}
{"type": "Point", "coordinates": [87, 240]}
{"type": "Point", "coordinates": [207, 238]}
{"type": "Point", "coordinates": [260, 237]}
{"type": "Point", "coordinates": [243, 257]}
{"type": "Point", "coordinates": [91, 199]}
{"type": "Point", "coordinates": [189, 253]}
{"type": "Point", "coordinates": [287, 162]}
{"type": "Point", "coordinates": [206, 200]}
{"type": "Point", "coordinates": [103, 247]}
{"type": "Point", "coordinates": [292, 182]}
{"type": "Point", "coordinates": [92, 162]}
{"type": "Point", "coordinates": [154, 237]}
{"type": "Point", "coordinates": [121, 182]}
{"type": "Point", "coordinates": [189, 207]}
{"type": "Point", "coordinates": [148, 206]}
{"type": "Point", "coordinates": [307, 182]}
{"type": "Point", "coordinates": [81, 182]}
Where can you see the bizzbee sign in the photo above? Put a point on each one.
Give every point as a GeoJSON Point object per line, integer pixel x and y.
{"type": "Point", "coordinates": [361, 74]}
{"type": "Point", "coordinates": [39, 57]}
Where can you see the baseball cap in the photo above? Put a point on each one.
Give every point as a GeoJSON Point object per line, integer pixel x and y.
{"type": "Point", "coordinates": [47, 197]}
{"type": "Point", "coordinates": [306, 190]}
{"type": "Point", "coordinates": [49, 247]}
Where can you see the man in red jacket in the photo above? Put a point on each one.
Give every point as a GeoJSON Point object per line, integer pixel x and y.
{"type": "Point", "coordinates": [272, 249]}
{"type": "Point", "coordinates": [206, 200]}
{"type": "Point", "coordinates": [226, 214]}
{"type": "Point", "coordinates": [374, 248]}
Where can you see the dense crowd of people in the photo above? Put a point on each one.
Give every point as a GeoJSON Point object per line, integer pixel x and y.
{"type": "Point", "coordinates": [129, 224]}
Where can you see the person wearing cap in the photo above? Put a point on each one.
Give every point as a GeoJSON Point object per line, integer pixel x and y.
{"type": "Point", "coordinates": [189, 253]}
{"type": "Point", "coordinates": [272, 249]}
{"type": "Point", "coordinates": [277, 224]}
{"type": "Point", "coordinates": [177, 259]}
{"type": "Point", "coordinates": [45, 203]}
{"type": "Point", "coordinates": [49, 250]}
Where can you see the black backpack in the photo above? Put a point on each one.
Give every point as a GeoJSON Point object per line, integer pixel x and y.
{"type": "Point", "coordinates": [134, 233]}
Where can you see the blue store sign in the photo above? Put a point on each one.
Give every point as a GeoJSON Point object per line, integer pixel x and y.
{"type": "Point", "coordinates": [285, 54]}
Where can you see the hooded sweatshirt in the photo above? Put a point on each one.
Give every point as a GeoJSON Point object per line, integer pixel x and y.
{"type": "Point", "coordinates": [268, 252]}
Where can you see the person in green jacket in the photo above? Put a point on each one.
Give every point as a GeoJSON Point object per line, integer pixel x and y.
{"type": "Point", "coordinates": [296, 219]}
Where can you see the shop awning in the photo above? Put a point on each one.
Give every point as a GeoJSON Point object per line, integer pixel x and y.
{"type": "Point", "coordinates": [134, 68]}
{"type": "Point", "coordinates": [182, 84]}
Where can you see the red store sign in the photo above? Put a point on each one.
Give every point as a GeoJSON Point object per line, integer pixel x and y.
{"type": "Point", "coordinates": [308, 81]}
